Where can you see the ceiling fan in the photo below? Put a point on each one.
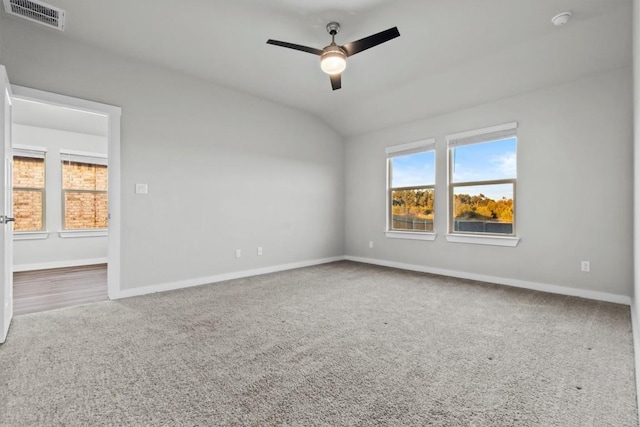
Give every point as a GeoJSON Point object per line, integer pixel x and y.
{"type": "Point", "coordinates": [333, 58]}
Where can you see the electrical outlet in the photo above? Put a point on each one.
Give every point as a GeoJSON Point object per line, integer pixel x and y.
{"type": "Point", "coordinates": [370, 243]}
{"type": "Point", "coordinates": [585, 266]}
{"type": "Point", "coordinates": [259, 250]}
{"type": "Point", "coordinates": [238, 253]}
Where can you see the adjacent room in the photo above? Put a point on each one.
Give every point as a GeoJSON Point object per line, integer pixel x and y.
{"type": "Point", "coordinates": [359, 212]}
{"type": "Point", "coordinates": [60, 205]}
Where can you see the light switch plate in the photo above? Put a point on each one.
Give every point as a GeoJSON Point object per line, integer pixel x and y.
{"type": "Point", "coordinates": [142, 189]}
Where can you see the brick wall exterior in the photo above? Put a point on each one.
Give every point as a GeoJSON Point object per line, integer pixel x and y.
{"type": "Point", "coordinates": [27, 210]}
{"type": "Point", "coordinates": [28, 194]}
{"type": "Point", "coordinates": [28, 172]}
{"type": "Point", "coordinates": [84, 194]}
{"type": "Point", "coordinates": [83, 176]}
{"type": "Point", "coordinates": [87, 208]}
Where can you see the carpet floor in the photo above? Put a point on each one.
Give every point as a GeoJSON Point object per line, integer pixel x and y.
{"type": "Point", "coordinates": [341, 344]}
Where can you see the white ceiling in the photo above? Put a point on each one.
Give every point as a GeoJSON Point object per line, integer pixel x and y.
{"type": "Point", "coordinates": [451, 53]}
{"type": "Point", "coordinates": [48, 116]}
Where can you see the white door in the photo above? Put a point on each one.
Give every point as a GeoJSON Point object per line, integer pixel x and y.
{"type": "Point", "coordinates": [6, 208]}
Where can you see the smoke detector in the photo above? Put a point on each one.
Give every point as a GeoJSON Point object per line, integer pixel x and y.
{"type": "Point", "coordinates": [36, 11]}
{"type": "Point", "coordinates": [561, 18]}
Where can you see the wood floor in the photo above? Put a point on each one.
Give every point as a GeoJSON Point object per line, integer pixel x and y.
{"type": "Point", "coordinates": [42, 290]}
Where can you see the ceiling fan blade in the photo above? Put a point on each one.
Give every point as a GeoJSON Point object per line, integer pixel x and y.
{"type": "Point", "coordinates": [371, 41]}
{"type": "Point", "coordinates": [336, 81]}
{"type": "Point", "coordinates": [295, 46]}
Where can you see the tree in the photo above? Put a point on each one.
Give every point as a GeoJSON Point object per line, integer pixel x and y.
{"type": "Point", "coordinates": [480, 207]}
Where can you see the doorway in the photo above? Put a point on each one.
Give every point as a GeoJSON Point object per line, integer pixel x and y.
{"type": "Point", "coordinates": [76, 224]}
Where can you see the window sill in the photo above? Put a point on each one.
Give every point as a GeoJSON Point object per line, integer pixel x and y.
{"type": "Point", "coordinates": [483, 240]}
{"type": "Point", "coordinates": [410, 235]}
{"type": "Point", "coordinates": [30, 235]}
{"type": "Point", "coordinates": [72, 234]}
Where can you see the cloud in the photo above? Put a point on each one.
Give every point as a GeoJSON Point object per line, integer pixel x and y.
{"type": "Point", "coordinates": [411, 175]}
{"type": "Point", "coordinates": [505, 165]}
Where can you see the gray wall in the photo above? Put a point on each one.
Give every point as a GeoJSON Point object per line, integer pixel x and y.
{"type": "Point", "coordinates": [225, 170]}
{"type": "Point", "coordinates": [574, 193]}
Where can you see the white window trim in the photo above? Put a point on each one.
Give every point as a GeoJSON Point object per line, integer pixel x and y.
{"type": "Point", "coordinates": [473, 137]}
{"type": "Point", "coordinates": [30, 235]}
{"type": "Point", "coordinates": [478, 135]}
{"type": "Point", "coordinates": [411, 235]}
{"type": "Point", "coordinates": [72, 234]}
{"type": "Point", "coordinates": [490, 240]}
{"type": "Point", "coordinates": [411, 147]}
{"type": "Point", "coordinates": [392, 151]}
{"type": "Point", "coordinates": [83, 157]}
{"type": "Point", "coordinates": [32, 151]}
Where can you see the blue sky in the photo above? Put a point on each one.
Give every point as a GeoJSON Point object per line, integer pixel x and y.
{"type": "Point", "coordinates": [474, 162]}
{"type": "Point", "coordinates": [414, 169]}
{"type": "Point", "coordinates": [486, 161]}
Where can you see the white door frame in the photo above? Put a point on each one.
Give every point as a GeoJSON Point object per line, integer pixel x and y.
{"type": "Point", "coordinates": [113, 141]}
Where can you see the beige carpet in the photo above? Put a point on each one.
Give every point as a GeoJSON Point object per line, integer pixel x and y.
{"type": "Point", "coordinates": [337, 344]}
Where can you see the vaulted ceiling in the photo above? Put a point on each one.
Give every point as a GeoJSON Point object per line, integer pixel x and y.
{"type": "Point", "coordinates": [451, 53]}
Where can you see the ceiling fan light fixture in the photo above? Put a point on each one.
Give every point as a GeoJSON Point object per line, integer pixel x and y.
{"type": "Point", "coordinates": [333, 60]}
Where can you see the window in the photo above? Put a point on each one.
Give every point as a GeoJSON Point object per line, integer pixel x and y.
{"type": "Point", "coordinates": [29, 189]}
{"type": "Point", "coordinates": [411, 190]}
{"type": "Point", "coordinates": [84, 192]}
{"type": "Point", "coordinates": [482, 181]}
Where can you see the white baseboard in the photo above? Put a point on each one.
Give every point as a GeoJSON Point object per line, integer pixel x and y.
{"type": "Point", "coordinates": [126, 293]}
{"type": "Point", "coordinates": [59, 264]}
{"type": "Point", "coordinates": [554, 289]}
{"type": "Point", "coordinates": [543, 287]}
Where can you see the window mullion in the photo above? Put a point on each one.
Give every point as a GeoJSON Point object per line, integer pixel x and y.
{"type": "Point", "coordinates": [490, 182]}
{"type": "Point", "coordinates": [417, 187]}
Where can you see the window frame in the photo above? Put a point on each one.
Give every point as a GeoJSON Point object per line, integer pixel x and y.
{"type": "Point", "coordinates": [33, 152]}
{"type": "Point", "coordinates": [421, 146]}
{"type": "Point", "coordinates": [96, 159]}
{"type": "Point", "coordinates": [478, 136]}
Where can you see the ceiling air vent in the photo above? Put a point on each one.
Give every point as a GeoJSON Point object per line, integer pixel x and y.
{"type": "Point", "coordinates": [37, 11]}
